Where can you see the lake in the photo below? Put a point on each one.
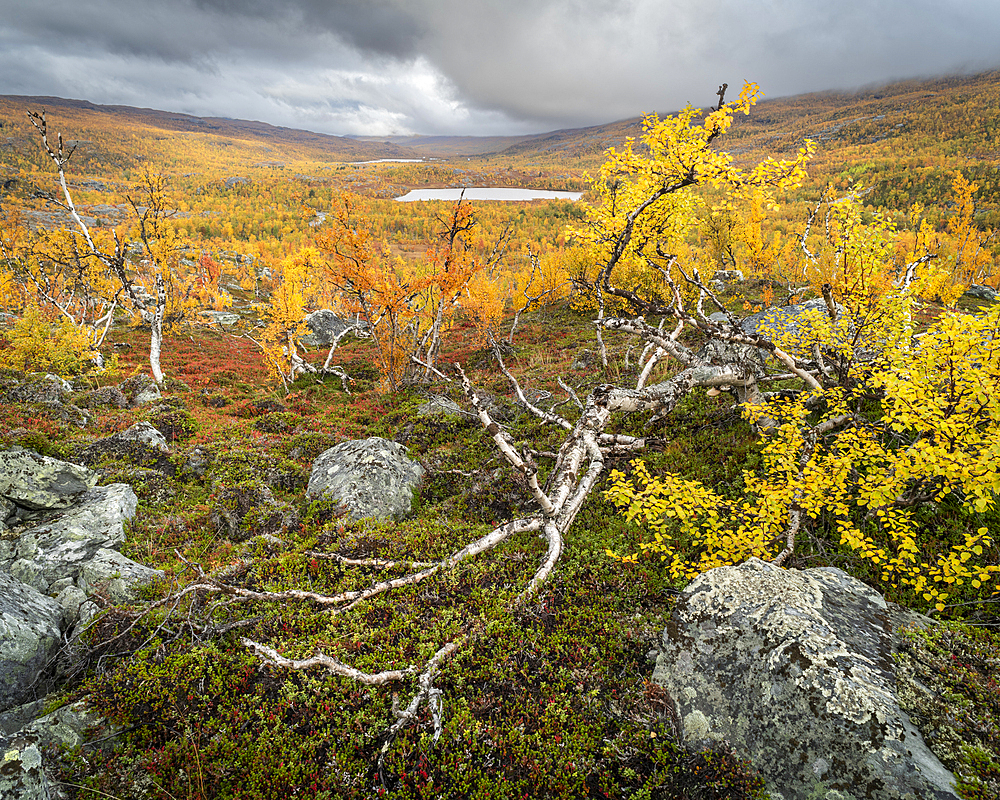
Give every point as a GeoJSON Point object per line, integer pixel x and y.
{"type": "Point", "coordinates": [489, 193]}
{"type": "Point", "coordinates": [393, 161]}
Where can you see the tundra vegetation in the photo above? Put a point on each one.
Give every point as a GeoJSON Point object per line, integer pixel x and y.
{"type": "Point", "coordinates": [623, 429]}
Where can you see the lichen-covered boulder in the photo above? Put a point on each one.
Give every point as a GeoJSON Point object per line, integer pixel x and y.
{"type": "Point", "coordinates": [978, 292]}
{"type": "Point", "coordinates": [60, 547]}
{"type": "Point", "coordinates": [105, 396]}
{"type": "Point", "coordinates": [324, 327]}
{"type": "Point", "coordinates": [38, 482]}
{"type": "Point", "coordinates": [145, 433]}
{"type": "Point", "coordinates": [794, 670]}
{"type": "Point", "coordinates": [368, 477]}
{"type": "Point", "coordinates": [141, 445]}
{"type": "Point", "coordinates": [29, 637]}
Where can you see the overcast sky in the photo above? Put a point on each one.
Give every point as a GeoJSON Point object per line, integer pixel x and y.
{"type": "Point", "coordinates": [473, 66]}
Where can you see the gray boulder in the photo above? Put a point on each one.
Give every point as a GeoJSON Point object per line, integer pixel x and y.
{"type": "Point", "coordinates": [325, 326]}
{"type": "Point", "coordinates": [22, 773]}
{"type": "Point", "coordinates": [143, 433]}
{"type": "Point", "coordinates": [782, 318]}
{"type": "Point", "coordinates": [728, 275]}
{"type": "Point", "coordinates": [368, 477]}
{"type": "Point", "coordinates": [140, 390]}
{"type": "Point", "coordinates": [112, 575]}
{"type": "Point", "coordinates": [29, 637]}
{"type": "Point", "coordinates": [60, 547]}
{"type": "Point", "coordinates": [978, 292]}
{"type": "Point", "coordinates": [439, 405]}
{"type": "Point", "coordinates": [794, 670]}
{"type": "Point", "coordinates": [38, 482]}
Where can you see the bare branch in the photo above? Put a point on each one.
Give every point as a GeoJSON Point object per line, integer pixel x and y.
{"type": "Point", "coordinates": [272, 656]}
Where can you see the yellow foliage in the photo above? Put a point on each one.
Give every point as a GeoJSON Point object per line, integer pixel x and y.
{"type": "Point", "coordinates": [37, 344]}
{"type": "Point", "coordinates": [639, 228]}
{"type": "Point", "coordinates": [937, 437]}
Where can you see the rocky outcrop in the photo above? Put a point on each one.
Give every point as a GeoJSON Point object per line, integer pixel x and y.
{"type": "Point", "coordinates": [439, 405]}
{"type": "Point", "coordinates": [29, 637]}
{"type": "Point", "coordinates": [794, 670]}
{"type": "Point", "coordinates": [24, 773]}
{"type": "Point", "coordinates": [146, 434]}
{"type": "Point", "coordinates": [39, 483]}
{"type": "Point", "coordinates": [140, 390]}
{"type": "Point", "coordinates": [141, 445]}
{"type": "Point", "coordinates": [782, 318]}
{"type": "Point", "coordinates": [59, 548]}
{"type": "Point", "coordinates": [220, 317]}
{"type": "Point", "coordinates": [368, 477]}
{"type": "Point", "coordinates": [57, 558]}
{"type": "Point", "coordinates": [979, 292]}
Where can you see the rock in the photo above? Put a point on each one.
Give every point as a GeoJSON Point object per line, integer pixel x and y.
{"type": "Point", "coordinates": [236, 180]}
{"type": "Point", "coordinates": [59, 548]}
{"type": "Point", "coordinates": [585, 359]}
{"type": "Point", "coordinates": [70, 599]}
{"type": "Point", "coordinates": [142, 445]}
{"type": "Point", "coordinates": [198, 461]}
{"type": "Point", "coordinates": [15, 718]}
{"type": "Point", "coordinates": [794, 670]}
{"type": "Point", "coordinates": [728, 276]}
{"type": "Point", "coordinates": [24, 774]}
{"type": "Point", "coordinates": [782, 318]}
{"type": "Point", "coordinates": [325, 326]}
{"type": "Point", "coordinates": [978, 292]}
{"type": "Point", "coordinates": [50, 390]}
{"type": "Point", "coordinates": [368, 477]}
{"type": "Point", "coordinates": [140, 390]}
{"type": "Point", "coordinates": [38, 482]}
{"type": "Point", "coordinates": [113, 576]}
{"type": "Point", "coordinates": [143, 433]}
{"type": "Point", "coordinates": [62, 383]}
{"type": "Point", "coordinates": [29, 638]}
{"type": "Point", "coordinates": [221, 317]}
{"type": "Point", "coordinates": [106, 396]}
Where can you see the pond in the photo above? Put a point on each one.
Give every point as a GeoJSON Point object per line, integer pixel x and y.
{"type": "Point", "coordinates": [489, 193]}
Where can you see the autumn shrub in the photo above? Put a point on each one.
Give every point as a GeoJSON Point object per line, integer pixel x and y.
{"type": "Point", "coordinates": [931, 439]}
{"type": "Point", "coordinates": [36, 343]}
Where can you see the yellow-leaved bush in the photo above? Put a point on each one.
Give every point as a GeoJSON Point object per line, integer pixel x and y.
{"type": "Point", "coordinates": [36, 343]}
{"type": "Point", "coordinates": [933, 437]}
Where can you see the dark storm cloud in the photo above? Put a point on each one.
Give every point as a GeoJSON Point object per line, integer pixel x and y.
{"type": "Point", "coordinates": [388, 29]}
{"type": "Point", "coordinates": [476, 66]}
